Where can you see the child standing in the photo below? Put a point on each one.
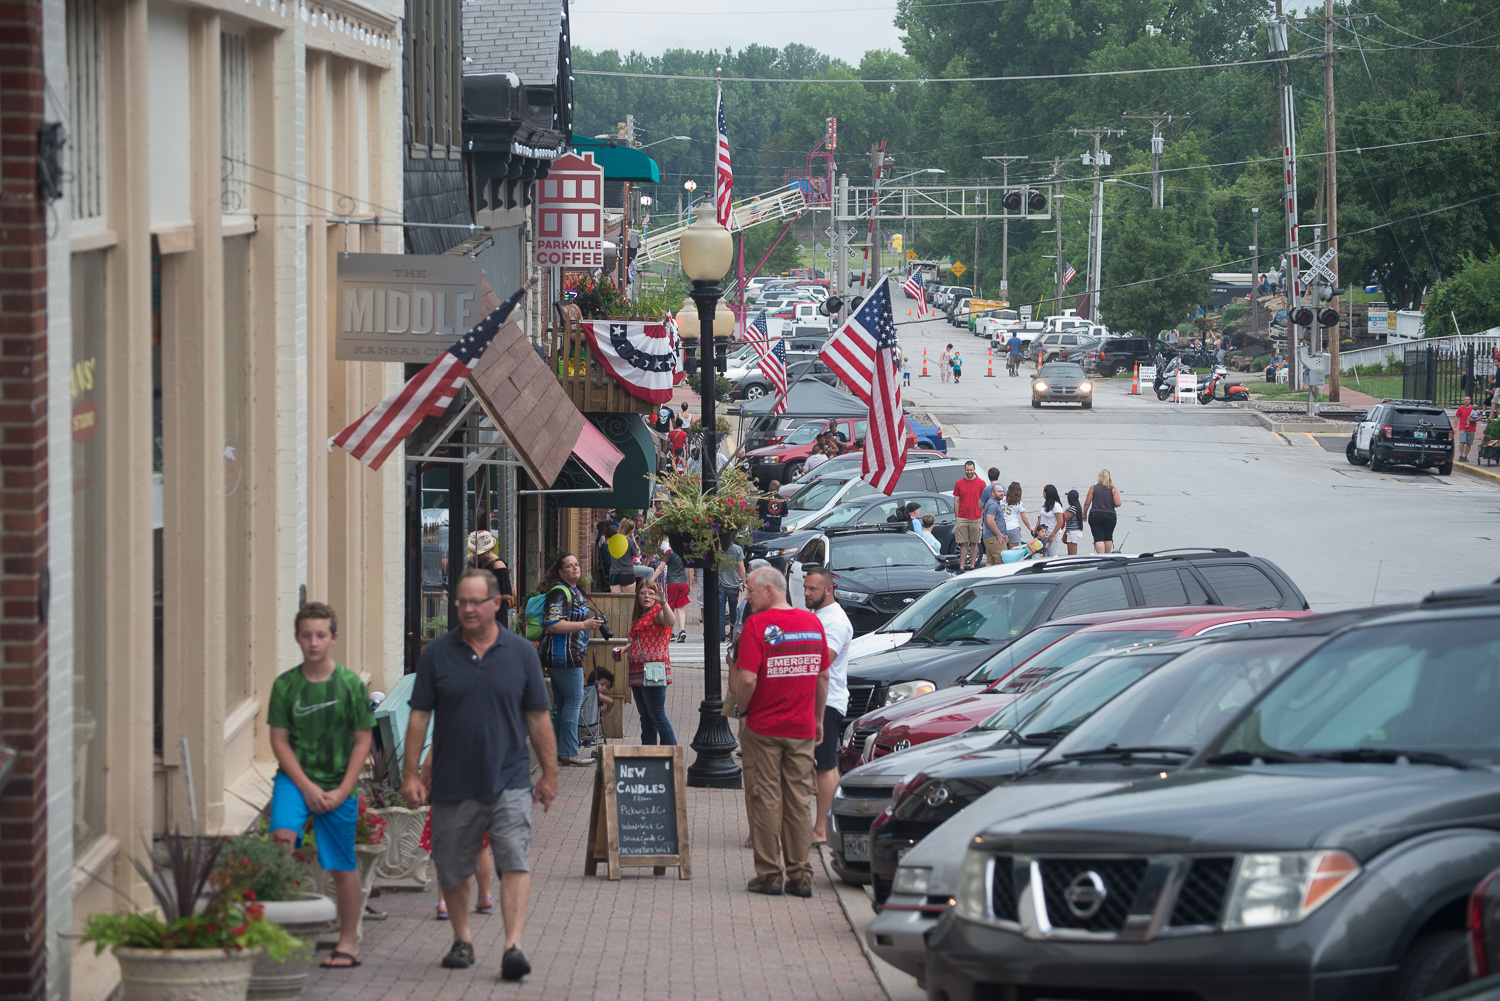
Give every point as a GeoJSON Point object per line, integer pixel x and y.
{"type": "Point", "coordinates": [905, 370]}
{"type": "Point", "coordinates": [320, 723]}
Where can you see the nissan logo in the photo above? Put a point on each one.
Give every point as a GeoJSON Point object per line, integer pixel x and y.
{"type": "Point", "coordinates": [907, 601]}
{"type": "Point", "coordinates": [901, 745]}
{"type": "Point", "coordinates": [1085, 895]}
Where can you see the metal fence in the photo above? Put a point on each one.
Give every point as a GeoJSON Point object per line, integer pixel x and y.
{"type": "Point", "coordinates": [1446, 373]}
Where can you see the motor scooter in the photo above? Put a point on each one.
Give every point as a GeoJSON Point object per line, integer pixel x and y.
{"type": "Point", "coordinates": [1220, 389]}
{"type": "Point", "coordinates": [1165, 382]}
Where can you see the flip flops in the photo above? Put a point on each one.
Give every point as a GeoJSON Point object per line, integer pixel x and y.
{"type": "Point", "coordinates": [486, 905]}
{"type": "Point", "coordinates": [337, 954]}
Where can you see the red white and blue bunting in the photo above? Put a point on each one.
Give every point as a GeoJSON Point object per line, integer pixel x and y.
{"type": "Point", "coordinates": [645, 358]}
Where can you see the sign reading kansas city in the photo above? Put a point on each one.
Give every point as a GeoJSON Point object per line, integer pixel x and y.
{"type": "Point", "coordinates": [404, 307]}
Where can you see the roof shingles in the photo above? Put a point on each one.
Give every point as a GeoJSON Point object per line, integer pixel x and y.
{"type": "Point", "coordinates": [513, 36]}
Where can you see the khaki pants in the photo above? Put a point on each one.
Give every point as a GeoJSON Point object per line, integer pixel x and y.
{"type": "Point", "coordinates": [779, 791]}
{"type": "Point", "coordinates": [993, 547]}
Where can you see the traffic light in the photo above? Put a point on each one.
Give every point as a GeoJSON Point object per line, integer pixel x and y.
{"type": "Point", "coordinates": [1011, 201]}
{"type": "Point", "coordinates": [1037, 202]}
{"type": "Point", "coordinates": [1302, 316]}
{"type": "Point", "coordinates": [830, 306]}
{"type": "Point", "coordinates": [1328, 317]}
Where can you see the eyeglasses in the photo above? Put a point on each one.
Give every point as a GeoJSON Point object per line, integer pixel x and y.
{"type": "Point", "coordinates": [471, 603]}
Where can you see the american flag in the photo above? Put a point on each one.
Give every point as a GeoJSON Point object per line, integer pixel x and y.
{"type": "Point", "coordinates": [1069, 273]}
{"type": "Point", "coordinates": [373, 437]}
{"type": "Point", "coordinates": [913, 290]}
{"type": "Point", "coordinates": [772, 360]}
{"type": "Point", "coordinates": [867, 357]}
{"type": "Point", "coordinates": [723, 172]}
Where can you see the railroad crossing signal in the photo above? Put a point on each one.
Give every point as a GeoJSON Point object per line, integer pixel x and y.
{"type": "Point", "coordinates": [1317, 266]}
{"type": "Point", "coordinates": [958, 269]}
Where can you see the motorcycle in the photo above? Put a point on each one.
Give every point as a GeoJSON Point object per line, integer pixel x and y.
{"type": "Point", "coordinates": [1165, 382]}
{"type": "Point", "coordinates": [1219, 388]}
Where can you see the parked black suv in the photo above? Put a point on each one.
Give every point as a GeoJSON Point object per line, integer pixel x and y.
{"type": "Point", "coordinates": [878, 570]}
{"type": "Point", "coordinates": [1323, 848]}
{"type": "Point", "coordinates": [1113, 355]}
{"type": "Point", "coordinates": [959, 625]}
{"type": "Point", "coordinates": [876, 509]}
{"type": "Point", "coordinates": [1403, 432]}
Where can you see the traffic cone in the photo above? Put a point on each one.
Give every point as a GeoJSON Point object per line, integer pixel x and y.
{"type": "Point", "coordinates": [989, 372]}
{"type": "Point", "coordinates": [924, 363]}
{"type": "Point", "coordinates": [1135, 381]}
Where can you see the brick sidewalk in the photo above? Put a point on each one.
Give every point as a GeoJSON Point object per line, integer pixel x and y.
{"type": "Point", "coordinates": [644, 938]}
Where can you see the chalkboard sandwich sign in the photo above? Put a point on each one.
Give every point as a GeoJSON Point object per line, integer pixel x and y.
{"type": "Point", "coordinates": [639, 816]}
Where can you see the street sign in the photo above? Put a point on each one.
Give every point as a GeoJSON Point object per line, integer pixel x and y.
{"type": "Point", "coordinates": [911, 255]}
{"type": "Point", "coordinates": [1025, 318]}
{"type": "Point", "coordinates": [958, 269]}
{"type": "Point", "coordinates": [830, 232]}
{"type": "Point", "coordinates": [1187, 387]}
{"type": "Point", "coordinates": [1318, 266]}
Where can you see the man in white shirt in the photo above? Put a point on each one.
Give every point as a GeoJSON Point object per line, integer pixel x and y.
{"type": "Point", "coordinates": [817, 591]}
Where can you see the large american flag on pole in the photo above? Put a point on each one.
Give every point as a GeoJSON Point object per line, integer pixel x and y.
{"type": "Point", "coordinates": [867, 357]}
{"type": "Point", "coordinates": [772, 360]}
{"type": "Point", "coordinates": [723, 171]}
{"type": "Point", "coordinates": [373, 437]}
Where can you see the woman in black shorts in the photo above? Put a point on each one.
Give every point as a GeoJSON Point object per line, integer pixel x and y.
{"type": "Point", "coordinates": [622, 567]}
{"type": "Point", "coordinates": [1099, 511]}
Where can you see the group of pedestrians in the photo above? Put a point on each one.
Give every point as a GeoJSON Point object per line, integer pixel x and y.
{"type": "Point", "coordinates": [993, 518]}
{"type": "Point", "coordinates": [950, 364]}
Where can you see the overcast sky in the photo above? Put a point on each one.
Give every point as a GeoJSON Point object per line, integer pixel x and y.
{"type": "Point", "coordinates": [845, 29]}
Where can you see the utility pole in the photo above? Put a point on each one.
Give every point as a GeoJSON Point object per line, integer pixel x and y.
{"type": "Point", "coordinates": [1255, 271]}
{"type": "Point", "coordinates": [1005, 162]}
{"type": "Point", "coordinates": [1331, 192]}
{"type": "Point", "coordinates": [1158, 182]}
{"type": "Point", "coordinates": [1099, 160]}
{"type": "Point", "coordinates": [1276, 37]}
{"type": "Point", "coordinates": [878, 162]}
{"type": "Point", "coordinates": [1057, 208]}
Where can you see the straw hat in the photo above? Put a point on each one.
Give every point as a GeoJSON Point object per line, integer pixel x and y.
{"type": "Point", "coordinates": [480, 543]}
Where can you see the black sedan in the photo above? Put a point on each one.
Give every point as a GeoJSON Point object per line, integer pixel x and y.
{"type": "Point", "coordinates": [1062, 382]}
{"type": "Point", "coordinates": [875, 510]}
{"type": "Point", "coordinates": [877, 571]}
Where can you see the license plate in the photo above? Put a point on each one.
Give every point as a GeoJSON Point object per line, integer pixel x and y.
{"type": "Point", "coordinates": [1419, 435]}
{"type": "Point", "coordinates": [857, 847]}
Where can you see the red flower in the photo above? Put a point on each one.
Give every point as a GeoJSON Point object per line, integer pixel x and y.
{"type": "Point", "coordinates": [237, 931]}
{"type": "Point", "coordinates": [249, 894]}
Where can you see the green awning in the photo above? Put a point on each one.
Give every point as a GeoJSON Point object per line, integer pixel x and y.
{"type": "Point", "coordinates": [620, 162]}
{"type": "Point", "coordinates": [633, 475]}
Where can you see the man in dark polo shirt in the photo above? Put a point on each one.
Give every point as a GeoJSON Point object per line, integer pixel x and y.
{"type": "Point", "coordinates": [485, 684]}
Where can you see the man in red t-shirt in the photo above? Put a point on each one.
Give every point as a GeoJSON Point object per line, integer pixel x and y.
{"type": "Point", "coordinates": [677, 439]}
{"type": "Point", "coordinates": [1466, 427]}
{"type": "Point", "coordinates": [783, 686]}
{"type": "Point", "coordinates": [970, 529]}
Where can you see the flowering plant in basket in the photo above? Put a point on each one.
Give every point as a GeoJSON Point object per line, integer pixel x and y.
{"type": "Point", "coordinates": [700, 526]}
{"type": "Point", "coordinates": [370, 828]}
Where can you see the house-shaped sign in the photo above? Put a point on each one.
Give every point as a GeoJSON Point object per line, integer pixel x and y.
{"type": "Point", "coordinates": [570, 214]}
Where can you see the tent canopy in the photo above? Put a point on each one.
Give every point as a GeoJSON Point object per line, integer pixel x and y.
{"type": "Point", "coordinates": [810, 398]}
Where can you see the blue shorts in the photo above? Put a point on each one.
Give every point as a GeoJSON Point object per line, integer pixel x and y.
{"type": "Point", "coordinates": [334, 831]}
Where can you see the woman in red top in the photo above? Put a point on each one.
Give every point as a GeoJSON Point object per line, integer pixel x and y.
{"type": "Point", "coordinates": [651, 643]}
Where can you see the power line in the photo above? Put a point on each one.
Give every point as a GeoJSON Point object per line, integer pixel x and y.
{"type": "Point", "coordinates": [796, 10]}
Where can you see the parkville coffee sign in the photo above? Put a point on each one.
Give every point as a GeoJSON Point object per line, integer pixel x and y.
{"type": "Point", "coordinates": [570, 214]}
{"type": "Point", "coordinates": [404, 307]}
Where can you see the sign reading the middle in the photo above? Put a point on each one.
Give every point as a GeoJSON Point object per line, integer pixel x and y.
{"type": "Point", "coordinates": [570, 214]}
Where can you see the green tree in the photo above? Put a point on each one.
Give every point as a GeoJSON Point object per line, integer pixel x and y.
{"type": "Point", "coordinates": [1471, 297]}
{"type": "Point", "coordinates": [1154, 260]}
{"type": "Point", "coordinates": [757, 240]}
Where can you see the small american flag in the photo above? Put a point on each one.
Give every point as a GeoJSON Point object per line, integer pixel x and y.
{"type": "Point", "coordinates": [723, 171]}
{"type": "Point", "coordinates": [867, 357]}
{"type": "Point", "coordinates": [913, 288]}
{"type": "Point", "coordinates": [1069, 273]}
{"type": "Point", "coordinates": [772, 360]}
{"type": "Point", "coordinates": [373, 437]}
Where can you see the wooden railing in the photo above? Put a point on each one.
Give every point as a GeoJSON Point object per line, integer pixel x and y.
{"type": "Point", "coordinates": [591, 388]}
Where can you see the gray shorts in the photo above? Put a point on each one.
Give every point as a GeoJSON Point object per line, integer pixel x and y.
{"type": "Point", "coordinates": [459, 827]}
{"type": "Point", "coordinates": [1466, 437]}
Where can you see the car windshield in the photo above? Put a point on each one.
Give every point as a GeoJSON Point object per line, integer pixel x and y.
{"type": "Point", "coordinates": [813, 496]}
{"type": "Point", "coordinates": [1190, 699]}
{"type": "Point", "coordinates": [893, 550]}
{"type": "Point", "coordinates": [1018, 652]}
{"type": "Point", "coordinates": [841, 515]}
{"type": "Point", "coordinates": [1071, 705]}
{"type": "Point", "coordinates": [806, 434]}
{"type": "Point", "coordinates": [1428, 688]}
{"type": "Point", "coordinates": [1087, 642]}
{"type": "Point", "coordinates": [918, 612]}
{"type": "Point", "coordinates": [1042, 686]}
{"type": "Point", "coordinates": [989, 613]}
{"type": "Point", "coordinates": [1062, 370]}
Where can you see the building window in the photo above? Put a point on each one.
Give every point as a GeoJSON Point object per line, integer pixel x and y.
{"type": "Point", "coordinates": [90, 383]}
{"type": "Point", "coordinates": [86, 109]}
{"type": "Point", "coordinates": [434, 89]}
{"type": "Point", "coordinates": [238, 678]}
{"type": "Point", "coordinates": [234, 87]}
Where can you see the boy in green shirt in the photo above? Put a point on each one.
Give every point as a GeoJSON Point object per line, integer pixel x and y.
{"type": "Point", "coordinates": [320, 723]}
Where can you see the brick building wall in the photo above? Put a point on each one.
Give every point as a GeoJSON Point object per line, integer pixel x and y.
{"type": "Point", "coordinates": [23, 507]}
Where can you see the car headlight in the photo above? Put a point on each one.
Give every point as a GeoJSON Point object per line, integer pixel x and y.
{"type": "Point", "coordinates": [1282, 888]}
{"type": "Point", "coordinates": [1039, 386]}
{"type": "Point", "coordinates": [848, 736]}
{"type": "Point", "coordinates": [849, 595]}
{"type": "Point", "coordinates": [912, 879]}
{"type": "Point", "coordinates": [973, 886]}
{"type": "Point", "coordinates": [787, 551]}
{"type": "Point", "coordinates": [1085, 387]}
{"type": "Point", "coordinates": [908, 690]}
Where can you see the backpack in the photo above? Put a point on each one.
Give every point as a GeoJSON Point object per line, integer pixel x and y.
{"type": "Point", "coordinates": [532, 613]}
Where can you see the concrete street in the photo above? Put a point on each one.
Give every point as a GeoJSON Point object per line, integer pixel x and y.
{"type": "Point", "coordinates": [1194, 475]}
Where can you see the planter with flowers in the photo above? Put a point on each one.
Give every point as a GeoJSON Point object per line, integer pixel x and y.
{"type": "Point", "coordinates": [404, 864]}
{"type": "Point", "coordinates": [701, 526]}
{"type": "Point", "coordinates": [202, 941]}
{"type": "Point", "coordinates": [369, 847]}
{"type": "Point", "coordinates": [275, 876]}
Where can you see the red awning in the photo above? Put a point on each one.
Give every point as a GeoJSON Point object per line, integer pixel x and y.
{"type": "Point", "coordinates": [598, 453]}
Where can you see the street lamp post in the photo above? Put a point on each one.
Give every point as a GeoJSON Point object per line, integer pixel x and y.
{"type": "Point", "coordinates": [705, 251]}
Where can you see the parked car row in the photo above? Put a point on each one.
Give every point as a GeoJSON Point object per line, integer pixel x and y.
{"type": "Point", "coordinates": [1143, 797]}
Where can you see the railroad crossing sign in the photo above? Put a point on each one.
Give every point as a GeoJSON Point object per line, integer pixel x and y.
{"type": "Point", "coordinates": [1318, 266]}
{"type": "Point", "coordinates": [958, 269]}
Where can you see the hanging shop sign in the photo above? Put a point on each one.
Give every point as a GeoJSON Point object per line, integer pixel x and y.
{"type": "Point", "coordinates": [404, 307]}
{"type": "Point", "coordinates": [570, 214]}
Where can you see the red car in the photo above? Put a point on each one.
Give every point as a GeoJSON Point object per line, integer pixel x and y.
{"type": "Point", "coordinates": [784, 461]}
{"type": "Point", "coordinates": [974, 708]}
{"type": "Point", "coordinates": [984, 684]}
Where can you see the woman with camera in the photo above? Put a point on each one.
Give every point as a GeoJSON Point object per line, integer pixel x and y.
{"type": "Point", "coordinates": [567, 621]}
{"type": "Point", "coordinates": [650, 655]}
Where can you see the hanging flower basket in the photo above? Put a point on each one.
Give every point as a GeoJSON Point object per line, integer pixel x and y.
{"type": "Point", "coordinates": [700, 527]}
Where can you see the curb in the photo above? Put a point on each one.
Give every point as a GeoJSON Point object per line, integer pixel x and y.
{"type": "Point", "coordinates": [1296, 427]}
{"type": "Point", "coordinates": [1483, 474]}
{"type": "Point", "coordinates": [898, 986]}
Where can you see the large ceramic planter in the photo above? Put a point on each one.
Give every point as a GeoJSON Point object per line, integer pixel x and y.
{"type": "Point", "coordinates": [184, 974]}
{"type": "Point", "coordinates": [404, 865]}
{"type": "Point", "coordinates": [306, 919]}
{"type": "Point", "coordinates": [366, 857]}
